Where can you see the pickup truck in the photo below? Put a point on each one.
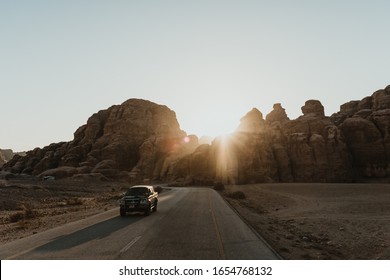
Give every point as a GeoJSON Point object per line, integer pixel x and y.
{"type": "Point", "coordinates": [139, 199]}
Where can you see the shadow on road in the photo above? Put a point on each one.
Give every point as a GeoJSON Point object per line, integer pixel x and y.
{"type": "Point", "coordinates": [97, 231]}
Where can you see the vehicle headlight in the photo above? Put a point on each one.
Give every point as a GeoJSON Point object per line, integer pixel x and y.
{"type": "Point", "coordinates": [121, 202]}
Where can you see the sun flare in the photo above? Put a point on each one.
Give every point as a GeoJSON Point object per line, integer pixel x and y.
{"type": "Point", "coordinates": [226, 159]}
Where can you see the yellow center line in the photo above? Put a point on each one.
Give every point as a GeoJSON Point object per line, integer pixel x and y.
{"type": "Point", "coordinates": [219, 239]}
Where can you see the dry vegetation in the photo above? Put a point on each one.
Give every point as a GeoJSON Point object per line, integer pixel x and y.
{"type": "Point", "coordinates": [30, 207]}
{"type": "Point", "coordinates": [318, 221]}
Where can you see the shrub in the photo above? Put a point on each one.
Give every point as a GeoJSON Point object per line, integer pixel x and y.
{"type": "Point", "coordinates": [16, 217]}
{"type": "Point", "coordinates": [75, 201]}
{"type": "Point", "coordinates": [237, 195]}
{"type": "Point", "coordinates": [218, 186]}
{"type": "Point", "coordinates": [25, 213]}
{"type": "Point", "coordinates": [30, 214]}
{"type": "Point", "coordinates": [23, 224]}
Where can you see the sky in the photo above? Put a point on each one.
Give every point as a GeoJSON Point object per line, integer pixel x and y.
{"type": "Point", "coordinates": [210, 61]}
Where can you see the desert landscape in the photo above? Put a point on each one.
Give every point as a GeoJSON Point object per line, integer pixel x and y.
{"type": "Point", "coordinates": [29, 207]}
{"type": "Point", "coordinates": [319, 221]}
{"type": "Point", "coordinates": [300, 221]}
{"type": "Point", "coordinates": [315, 187]}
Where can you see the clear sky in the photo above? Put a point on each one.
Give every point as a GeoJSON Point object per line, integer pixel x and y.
{"type": "Point", "coordinates": [210, 61]}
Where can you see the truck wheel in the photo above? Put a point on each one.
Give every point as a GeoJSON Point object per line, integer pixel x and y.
{"type": "Point", "coordinates": [147, 211]}
{"type": "Point", "coordinates": [155, 207]}
{"type": "Point", "coordinates": [122, 212]}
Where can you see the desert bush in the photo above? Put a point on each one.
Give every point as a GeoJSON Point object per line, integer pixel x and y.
{"type": "Point", "coordinates": [219, 186]}
{"type": "Point", "coordinates": [237, 195]}
{"type": "Point", "coordinates": [30, 213]}
{"type": "Point", "coordinates": [75, 201]}
{"type": "Point", "coordinates": [16, 217]}
{"type": "Point", "coordinates": [23, 214]}
{"type": "Point", "coordinates": [23, 224]}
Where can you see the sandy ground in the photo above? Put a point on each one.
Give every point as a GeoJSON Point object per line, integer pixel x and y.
{"type": "Point", "coordinates": [301, 221]}
{"type": "Point", "coordinates": [319, 221]}
{"type": "Point", "coordinates": [30, 207]}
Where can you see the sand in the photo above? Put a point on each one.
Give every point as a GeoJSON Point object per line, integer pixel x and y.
{"type": "Point", "coordinates": [319, 221]}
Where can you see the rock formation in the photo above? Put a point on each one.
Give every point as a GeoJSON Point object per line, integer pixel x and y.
{"type": "Point", "coordinates": [2, 160]}
{"type": "Point", "coordinates": [365, 126]}
{"type": "Point", "coordinates": [131, 140]}
{"type": "Point", "coordinates": [7, 154]}
{"type": "Point", "coordinates": [142, 140]}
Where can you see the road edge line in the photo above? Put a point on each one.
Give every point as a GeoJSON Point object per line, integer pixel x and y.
{"type": "Point", "coordinates": [251, 227]}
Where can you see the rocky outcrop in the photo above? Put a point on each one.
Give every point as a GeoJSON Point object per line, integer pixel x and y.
{"type": "Point", "coordinates": [2, 160]}
{"type": "Point", "coordinates": [252, 122]}
{"type": "Point", "coordinates": [365, 126]}
{"type": "Point", "coordinates": [129, 140]}
{"type": "Point", "coordinates": [308, 149]}
{"type": "Point", "coordinates": [6, 155]}
{"type": "Point", "coordinates": [277, 115]}
{"type": "Point", "coordinates": [142, 140]}
{"type": "Point", "coordinates": [349, 146]}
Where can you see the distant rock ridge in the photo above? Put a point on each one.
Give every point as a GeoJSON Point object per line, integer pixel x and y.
{"type": "Point", "coordinates": [7, 154]}
{"type": "Point", "coordinates": [140, 140]}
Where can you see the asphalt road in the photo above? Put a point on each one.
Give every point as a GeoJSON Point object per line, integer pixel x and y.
{"type": "Point", "coordinates": [191, 223]}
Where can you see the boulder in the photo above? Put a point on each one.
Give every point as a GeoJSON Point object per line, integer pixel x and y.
{"type": "Point", "coordinates": [59, 173]}
{"type": "Point", "coordinates": [313, 108]}
{"type": "Point", "coordinates": [278, 114]}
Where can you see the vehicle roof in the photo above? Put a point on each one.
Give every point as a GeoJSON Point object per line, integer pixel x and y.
{"type": "Point", "coordinates": [141, 186]}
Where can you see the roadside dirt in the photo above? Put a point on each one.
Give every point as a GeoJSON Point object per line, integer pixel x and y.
{"type": "Point", "coordinates": [318, 221]}
{"type": "Point", "coordinates": [301, 221]}
{"type": "Point", "coordinates": [27, 208]}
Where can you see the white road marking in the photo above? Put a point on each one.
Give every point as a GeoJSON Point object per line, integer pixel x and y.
{"type": "Point", "coordinates": [131, 243]}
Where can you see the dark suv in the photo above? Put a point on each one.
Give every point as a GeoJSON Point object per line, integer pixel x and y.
{"type": "Point", "coordinates": [139, 199]}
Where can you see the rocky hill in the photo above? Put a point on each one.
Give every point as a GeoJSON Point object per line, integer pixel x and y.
{"type": "Point", "coordinates": [6, 155]}
{"type": "Point", "coordinates": [140, 140]}
{"type": "Point", "coordinates": [128, 141]}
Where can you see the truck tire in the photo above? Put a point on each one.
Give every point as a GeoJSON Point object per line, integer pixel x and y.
{"type": "Point", "coordinates": [155, 207]}
{"type": "Point", "coordinates": [147, 211]}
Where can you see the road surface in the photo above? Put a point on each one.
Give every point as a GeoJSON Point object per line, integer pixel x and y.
{"type": "Point", "coordinates": [191, 223]}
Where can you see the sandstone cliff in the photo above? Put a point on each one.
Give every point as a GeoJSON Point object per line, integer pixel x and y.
{"type": "Point", "coordinates": [308, 149]}
{"type": "Point", "coordinates": [142, 140]}
{"type": "Point", "coordinates": [350, 146]}
{"type": "Point", "coordinates": [129, 141]}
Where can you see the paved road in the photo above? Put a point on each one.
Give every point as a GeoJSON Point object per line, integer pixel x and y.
{"type": "Point", "coordinates": [191, 223]}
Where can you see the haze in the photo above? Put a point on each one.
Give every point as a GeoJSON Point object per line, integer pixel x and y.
{"type": "Point", "coordinates": [209, 61]}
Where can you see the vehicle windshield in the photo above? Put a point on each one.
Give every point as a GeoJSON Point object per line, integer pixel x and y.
{"type": "Point", "coordinates": [137, 191]}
